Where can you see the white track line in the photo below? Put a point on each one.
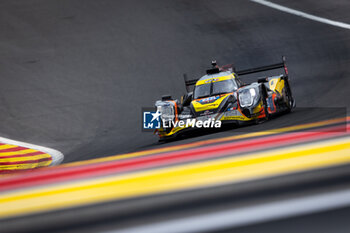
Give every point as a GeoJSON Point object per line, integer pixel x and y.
{"type": "Point", "coordinates": [57, 157]}
{"type": "Point", "coordinates": [302, 14]}
{"type": "Point", "coordinates": [247, 215]}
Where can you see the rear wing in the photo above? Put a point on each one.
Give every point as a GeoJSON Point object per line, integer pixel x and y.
{"type": "Point", "coordinates": [265, 68]}
{"type": "Point", "coordinates": [231, 68]}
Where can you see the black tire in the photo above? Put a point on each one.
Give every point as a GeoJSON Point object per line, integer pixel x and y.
{"type": "Point", "coordinates": [187, 98]}
{"type": "Point", "coordinates": [264, 97]}
{"type": "Point", "coordinates": [267, 117]}
{"type": "Point", "coordinates": [290, 103]}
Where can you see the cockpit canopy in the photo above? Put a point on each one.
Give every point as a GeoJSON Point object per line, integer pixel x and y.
{"type": "Point", "coordinates": [210, 85]}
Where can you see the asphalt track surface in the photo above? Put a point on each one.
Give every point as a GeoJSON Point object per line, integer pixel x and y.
{"type": "Point", "coordinates": [75, 74]}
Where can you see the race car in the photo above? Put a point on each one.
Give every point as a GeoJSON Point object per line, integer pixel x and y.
{"type": "Point", "coordinates": [221, 96]}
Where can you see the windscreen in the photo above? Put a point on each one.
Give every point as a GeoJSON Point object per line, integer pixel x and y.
{"type": "Point", "coordinates": [214, 88]}
{"type": "Point", "coordinates": [222, 87]}
{"type": "Point", "coordinates": [202, 91]}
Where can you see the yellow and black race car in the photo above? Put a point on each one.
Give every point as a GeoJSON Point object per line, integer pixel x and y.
{"type": "Point", "coordinates": [221, 97]}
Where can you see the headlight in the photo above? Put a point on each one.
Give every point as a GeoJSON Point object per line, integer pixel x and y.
{"type": "Point", "coordinates": [246, 97]}
{"type": "Point", "coordinates": [167, 113]}
{"type": "Point", "coordinates": [252, 92]}
{"type": "Point", "coordinates": [166, 110]}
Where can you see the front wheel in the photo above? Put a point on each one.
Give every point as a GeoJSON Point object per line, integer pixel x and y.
{"type": "Point", "coordinates": [267, 115]}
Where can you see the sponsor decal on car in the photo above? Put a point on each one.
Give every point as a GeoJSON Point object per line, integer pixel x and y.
{"type": "Point", "coordinates": [208, 100]}
{"type": "Point", "coordinates": [232, 113]}
{"type": "Point", "coordinates": [211, 80]}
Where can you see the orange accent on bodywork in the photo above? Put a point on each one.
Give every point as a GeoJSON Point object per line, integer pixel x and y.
{"type": "Point", "coordinates": [175, 109]}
